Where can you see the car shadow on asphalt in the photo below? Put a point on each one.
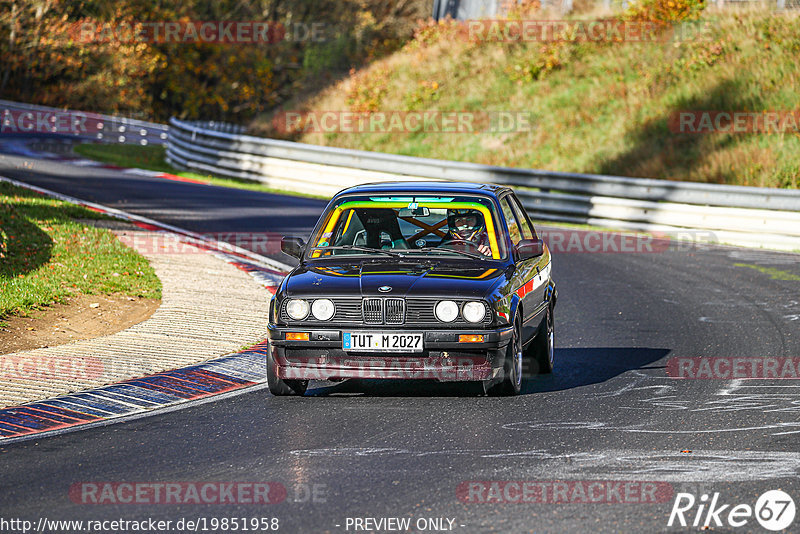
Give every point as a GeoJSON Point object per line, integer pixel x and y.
{"type": "Point", "coordinates": [574, 367]}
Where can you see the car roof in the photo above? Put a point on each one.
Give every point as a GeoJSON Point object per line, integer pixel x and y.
{"type": "Point", "coordinates": [431, 186]}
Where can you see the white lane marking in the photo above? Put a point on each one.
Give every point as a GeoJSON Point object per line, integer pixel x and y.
{"type": "Point", "coordinates": [640, 427]}
{"type": "Point", "coordinates": [612, 464]}
{"type": "Point", "coordinates": [141, 172]}
{"type": "Point", "coordinates": [733, 396]}
{"type": "Point", "coordinates": [732, 386]}
{"type": "Point", "coordinates": [716, 321]}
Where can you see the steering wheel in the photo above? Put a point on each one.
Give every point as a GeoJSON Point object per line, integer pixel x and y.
{"type": "Point", "coordinates": [460, 241]}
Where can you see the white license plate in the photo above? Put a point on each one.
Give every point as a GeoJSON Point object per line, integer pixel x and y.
{"type": "Point", "coordinates": [380, 342]}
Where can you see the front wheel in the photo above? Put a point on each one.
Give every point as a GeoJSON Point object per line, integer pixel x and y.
{"type": "Point", "coordinates": [541, 352]}
{"type": "Point", "coordinates": [279, 386]}
{"type": "Point", "coordinates": [512, 366]}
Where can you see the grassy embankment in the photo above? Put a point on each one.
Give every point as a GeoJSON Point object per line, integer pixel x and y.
{"type": "Point", "coordinates": [46, 255]}
{"type": "Point", "coordinates": [597, 107]}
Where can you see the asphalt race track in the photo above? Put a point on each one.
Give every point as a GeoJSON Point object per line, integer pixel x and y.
{"type": "Point", "coordinates": [609, 412]}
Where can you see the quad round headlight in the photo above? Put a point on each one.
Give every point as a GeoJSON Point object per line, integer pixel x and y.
{"type": "Point", "coordinates": [446, 311]}
{"type": "Point", "coordinates": [474, 312]}
{"type": "Point", "coordinates": [297, 309]}
{"type": "Point", "coordinates": [322, 309]}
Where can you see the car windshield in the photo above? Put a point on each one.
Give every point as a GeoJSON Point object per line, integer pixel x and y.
{"type": "Point", "coordinates": [464, 226]}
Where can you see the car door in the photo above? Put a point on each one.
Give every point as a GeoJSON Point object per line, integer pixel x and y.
{"type": "Point", "coordinates": [523, 280]}
{"type": "Point", "coordinates": [542, 266]}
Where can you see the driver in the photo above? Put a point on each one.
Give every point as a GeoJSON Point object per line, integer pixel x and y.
{"type": "Point", "coordinates": [466, 225]}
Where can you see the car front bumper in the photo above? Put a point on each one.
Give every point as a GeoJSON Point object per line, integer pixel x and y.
{"type": "Point", "coordinates": [443, 357]}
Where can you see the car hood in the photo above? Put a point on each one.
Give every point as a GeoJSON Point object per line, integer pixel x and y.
{"type": "Point", "coordinates": [417, 279]}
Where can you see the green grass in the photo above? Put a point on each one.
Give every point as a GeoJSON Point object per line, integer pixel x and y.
{"type": "Point", "coordinates": [775, 274]}
{"type": "Point", "coordinates": [151, 157]}
{"type": "Point", "coordinates": [597, 107]}
{"type": "Point", "coordinates": [46, 255]}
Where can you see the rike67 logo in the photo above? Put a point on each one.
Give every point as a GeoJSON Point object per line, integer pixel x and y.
{"type": "Point", "coordinates": [774, 510]}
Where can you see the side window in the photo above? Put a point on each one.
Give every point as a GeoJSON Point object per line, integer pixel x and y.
{"type": "Point", "coordinates": [511, 220]}
{"type": "Point", "coordinates": [348, 229]}
{"type": "Point", "coordinates": [524, 222]}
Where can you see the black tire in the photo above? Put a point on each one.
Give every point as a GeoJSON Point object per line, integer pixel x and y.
{"type": "Point", "coordinates": [540, 353]}
{"type": "Point", "coordinates": [281, 387]}
{"type": "Point", "coordinates": [512, 366]}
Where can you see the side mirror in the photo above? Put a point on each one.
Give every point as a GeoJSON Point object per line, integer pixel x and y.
{"type": "Point", "coordinates": [530, 248]}
{"type": "Point", "coordinates": [293, 246]}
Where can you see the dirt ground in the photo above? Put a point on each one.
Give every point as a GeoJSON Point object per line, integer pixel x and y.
{"type": "Point", "coordinates": [81, 317]}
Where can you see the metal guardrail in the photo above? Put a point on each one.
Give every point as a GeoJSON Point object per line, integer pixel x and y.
{"type": "Point", "coordinates": [21, 118]}
{"type": "Point", "coordinates": [741, 215]}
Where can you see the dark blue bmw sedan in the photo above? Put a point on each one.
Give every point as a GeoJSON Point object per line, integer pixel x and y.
{"type": "Point", "coordinates": [415, 280]}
